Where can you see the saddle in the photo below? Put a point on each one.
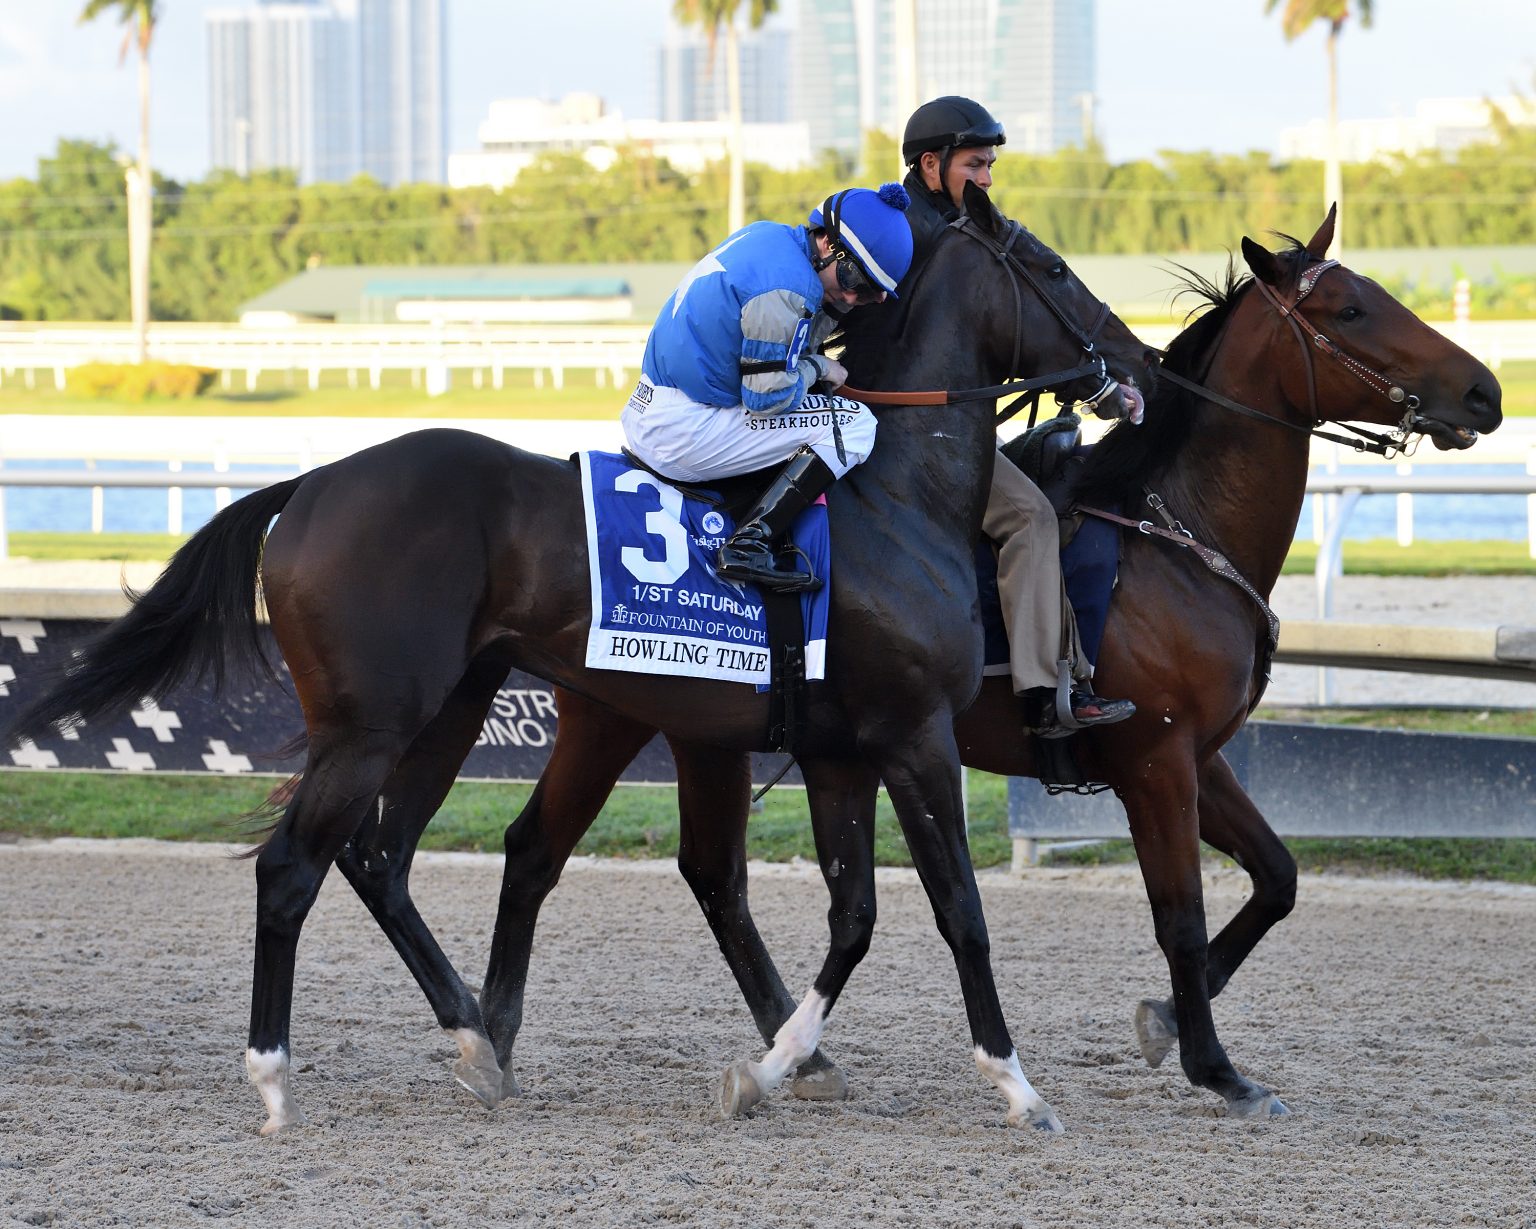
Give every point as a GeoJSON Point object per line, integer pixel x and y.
{"type": "Point", "coordinates": [1048, 455]}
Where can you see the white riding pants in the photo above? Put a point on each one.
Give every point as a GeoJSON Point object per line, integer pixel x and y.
{"type": "Point", "coordinates": [689, 442]}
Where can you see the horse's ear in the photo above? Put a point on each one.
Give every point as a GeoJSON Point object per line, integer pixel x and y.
{"type": "Point", "coordinates": [1262, 261]}
{"type": "Point", "coordinates": [1318, 245]}
{"type": "Point", "coordinates": [978, 207]}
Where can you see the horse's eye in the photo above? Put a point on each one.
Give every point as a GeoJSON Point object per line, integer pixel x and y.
{"type": "Point", "coordinates": [1350, 313]}
{"type": "Point", "coordinates": [1056, 272]}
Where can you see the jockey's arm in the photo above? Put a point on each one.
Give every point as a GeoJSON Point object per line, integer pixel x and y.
{"type": "Point", "coordinates": [776, 333]}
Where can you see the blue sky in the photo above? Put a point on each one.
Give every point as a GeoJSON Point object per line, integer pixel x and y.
{"type": "Point", "coordinates": [1169, 71]}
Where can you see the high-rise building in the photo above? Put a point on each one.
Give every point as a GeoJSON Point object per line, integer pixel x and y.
{"type": "Point", "coordinates": [329, 89]}
{"type": "Point", "coordinates": [1030, 62]}
{"type": "Point", "coordinates": [691, 89]}
{"type": "Point", "coordinates": [281, 91]}
{"type": "Point", "coordinates": [401, 102]}
{"type": "Point", "coordinates": [827, 76]}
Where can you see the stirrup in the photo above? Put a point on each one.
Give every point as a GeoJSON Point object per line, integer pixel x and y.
{"type": "Point", "coordinates": [754, 564]}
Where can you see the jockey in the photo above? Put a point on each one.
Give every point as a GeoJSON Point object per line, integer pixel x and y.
{"type": "Point", "coordinates": [947, 142]}
{"type": "Point", "coordinates": [725, 385]}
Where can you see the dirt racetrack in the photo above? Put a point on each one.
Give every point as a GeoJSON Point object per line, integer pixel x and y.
{"type": "Point", "coordinates": [1397, 1019]}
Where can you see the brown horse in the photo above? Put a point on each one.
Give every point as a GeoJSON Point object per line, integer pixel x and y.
{"type": "Point", "coordinates": [1188, 647]}
{"type": "Point", "coordinates": [404, 581]}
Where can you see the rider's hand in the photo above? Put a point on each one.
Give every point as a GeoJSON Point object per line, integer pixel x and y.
{"type": "Point", "coordinates": [836, 377]}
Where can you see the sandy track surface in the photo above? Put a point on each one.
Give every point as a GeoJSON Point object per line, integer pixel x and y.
{"type": "Point", "coordinates": [1395, 1018]}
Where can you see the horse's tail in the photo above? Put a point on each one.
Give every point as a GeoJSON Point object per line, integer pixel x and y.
{"type": "Point", "coordinates": [196, 621]}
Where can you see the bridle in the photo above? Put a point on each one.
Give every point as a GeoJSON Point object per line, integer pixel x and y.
{"type": "Point", "coordinates": [1025, 392]}
{"type": "Point", "coordinates": [1387, 444]}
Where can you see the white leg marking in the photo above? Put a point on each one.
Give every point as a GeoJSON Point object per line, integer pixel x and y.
{"type": "Point", "coordinates": [795, 1042]}
{"type": "Point", "coordinates": [477, 1069]}
{"type": "Point", "coordinates": [1026, 1107]}
{"type": "Point", "coordinates": [268, 1070]}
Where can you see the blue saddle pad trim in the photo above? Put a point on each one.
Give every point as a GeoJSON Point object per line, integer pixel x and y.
{"type": "Point", "coordinates": [657, 605]}
{"type": "Point", "coordinates": [1088, 566]}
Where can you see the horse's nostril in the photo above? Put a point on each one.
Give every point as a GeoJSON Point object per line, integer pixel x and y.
{"type": "Point", "coordinates": [1477, 401]}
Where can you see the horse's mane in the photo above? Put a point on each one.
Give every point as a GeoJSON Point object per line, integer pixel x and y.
{"type": "Point", "coordinates": [1128, 456]}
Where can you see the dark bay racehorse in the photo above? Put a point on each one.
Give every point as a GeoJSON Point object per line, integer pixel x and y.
{"type": "Point", "coordinates": [404, 581]}
{"type": "Point", "coordinates": [1185, 645]}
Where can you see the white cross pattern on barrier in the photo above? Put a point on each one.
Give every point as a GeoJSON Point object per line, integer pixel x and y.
{"type": "Point", "coordinates": [26, 631]}
{"type": "Point", "coordinates": [7, 676]}
{"type": "Point", "coordinates": [222, 761]}
{"type": "Point", "coordinates": [28, 756]}
{"type": "Point", "coordinates": [150, 716]}
{"type": "Point", "coordinates": [126, 758]}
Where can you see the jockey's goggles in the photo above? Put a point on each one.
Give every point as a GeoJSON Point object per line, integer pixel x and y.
{"type": "Point", "coordinates": [852, 278]}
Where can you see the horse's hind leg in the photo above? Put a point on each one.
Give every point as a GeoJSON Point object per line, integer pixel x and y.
{"type": "Point", "coordinates": [342, 777]}
{"type": "Point", "coordinates": [1161, 804]}
{"type": "Point", "coordinates": [1230, 823]}
{"type": "Point", "coordinates": [592, 747]}
{"type": "Point", "coordinates": [377, 863]}
{"type": "Point", "coordinates": [714, 789]}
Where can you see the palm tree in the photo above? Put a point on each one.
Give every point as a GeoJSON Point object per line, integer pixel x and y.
{"type": "Point", "coordinates": [140, 18]}
{"type": "Point", "coordinates": [711, 16]}
{"type": "Point", "coordinates": [1295, 18]}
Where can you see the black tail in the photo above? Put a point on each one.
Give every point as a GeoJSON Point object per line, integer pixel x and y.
{"type": "Point", "coordinates": [196, 620]}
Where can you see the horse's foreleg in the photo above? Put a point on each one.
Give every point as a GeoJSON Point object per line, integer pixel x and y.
{"type": "Point", "coordinates": [592, 747]}
{"type": "Point", "coordinates": [923, 779]}
{"type": "Point", "coordinates": [1161, 806]}
{"type": "Point", "coordinates": [842, 801]}
{"type": "Point", "coordinates": [714, 789]}
{"type": "Point", "coordinates": [377, 863]}
{"type": "Point", "coordinates": [339, 785]}
{"type": "Point", "coordinates": [1231, 823]}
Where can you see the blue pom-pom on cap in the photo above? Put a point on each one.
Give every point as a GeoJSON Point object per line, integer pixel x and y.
{"type": "Point", "coordinates": [894, 195]}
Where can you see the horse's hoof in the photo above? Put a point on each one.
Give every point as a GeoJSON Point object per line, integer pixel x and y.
{"type": "Point", "coordinates": [824, 1084]}
{"type": "Point", "coordinates": [1041, 1118]}
{"type": "Point", "coordinates": [274, 1124]}
{"type": "Point", "coordinates": [1157, 1030]}
{"type": "Point", "coordinates": [1261, 1104]}
{"type": "Point", "coordinates": [739, 1089]}
{"type": "Point", "coordinates": [484, 1083]}
{"type": "Point", "coordinates": [509, 1086]}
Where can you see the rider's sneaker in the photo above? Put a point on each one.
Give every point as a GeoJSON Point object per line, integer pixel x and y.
{"type": "Point", "coordinates": [1042, 718]}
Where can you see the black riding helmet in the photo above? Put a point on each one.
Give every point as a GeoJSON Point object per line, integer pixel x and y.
{"type": "Point", "coordinates": [949, 123]}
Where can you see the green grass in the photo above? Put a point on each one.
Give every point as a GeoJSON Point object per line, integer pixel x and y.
{"type": "Point", "coordinates": [288, 393]}
{"type": "Point", "coordinates": [275, 394]}
{"type": "Point", "coordinates": [641, 821]}
{"type": "Point", "coordinates": [638, 822]}
{"type": "Point", "coordinates": [1375, 557]}
{"type": "Point", "coordinates": [1384, 557]}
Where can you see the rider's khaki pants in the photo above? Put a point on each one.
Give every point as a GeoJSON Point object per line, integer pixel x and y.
{"type": "Point", "coordinates": [1041, 628]}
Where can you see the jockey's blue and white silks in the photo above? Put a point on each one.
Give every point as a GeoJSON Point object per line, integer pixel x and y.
{"type": "Point", "coordinates": [657, 605]}
{"type": "Point", "coordinates": [755, 299]}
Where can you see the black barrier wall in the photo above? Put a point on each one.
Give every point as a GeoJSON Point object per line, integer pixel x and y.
{"type": "Point", "coordinates": [247, 729]}
{"type": "Point", "coordinates": [1317, 780]}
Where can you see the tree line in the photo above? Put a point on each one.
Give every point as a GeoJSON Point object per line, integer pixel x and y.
{"type": "Point", "coordinates": [225, 239]}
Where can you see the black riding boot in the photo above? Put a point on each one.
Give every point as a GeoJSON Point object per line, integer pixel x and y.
{"type": "Point", "coordinates": [747, 556]}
